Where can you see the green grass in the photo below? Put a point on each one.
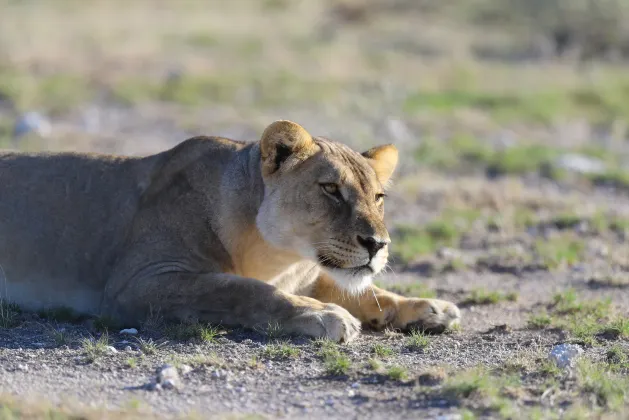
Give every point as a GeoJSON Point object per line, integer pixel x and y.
{"type": "Point", "coordinates": [410, 242]}
{"type": "Point", "coordinates": [194, 90]}
{"type": "Point", "coordinates": [9, 314]}
{"type": "Point", "coordinates": [94, 349]}
{"type": "Point", "coordinates": [587, 320]}
{"type": "Point", "coordinates": [466, 383]}
{"type": "Point", "coordinates": [192, 331]}
{"type": "Point", "coordinates": [56, 94]}
{"type": "Point", "coordinates": [465, 152]}
{"type": "Point", "coordinates": [618, 327]}
{"type": "Point", "coordinates": [397, 373]}
{"type": "Point", "coordinates": [274, 330]}
{"type": "Point", "coordinates": [335, 362]}
{"type": "Point", "coordinates": [374, 364]}
{"type": "Point", "coordinates": [485, 387]}
{"type": "Point", "coordinates": [539, 107]}
{"type": "Point", "coordinates": [560, 250]}
{"type": "Point", "coordinates": [484, 297]}
{"type": "Point", "coordinates": [602, 101]}
{"type": "Point", "coordinates": [148, 346]}
{"type": "Point", "coordinates": [280, 350]}
{"type": "Point", "coordinates": [617, 358]}
{"type": "Point", "coordinates": [417, 340]}
{"type": "Point", "coordinates": [208, 333]}
{"type": "Point", "coordinates": [381, 350]}
{"type": "Point", "coordinates": [568, 302]}
{"type": "Point", "coordinates": [60, 336]}
{"type": "Point", "coordinates": [522, 159]}
{"type": "Point", "coordinates": [613, 177]}
{"type": "Point", "coordinates": [549, 369]}
{"type": "Point", "coordinates": [539, 321]}
{"type": "Point", "coordinates": [610, 390]}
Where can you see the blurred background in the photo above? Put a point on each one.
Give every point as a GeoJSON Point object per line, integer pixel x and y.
{"type": "Point", "coordinates": [507, 112]}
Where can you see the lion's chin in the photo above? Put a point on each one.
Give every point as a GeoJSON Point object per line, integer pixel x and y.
{"type": "Point", "coordinates": [350, 280]}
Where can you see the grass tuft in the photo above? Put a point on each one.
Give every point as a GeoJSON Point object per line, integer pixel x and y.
{"type": "Point", "coordinates": [280, 350]}
{"type": "Point", "coordinates": [192, 331]}
{"type": "Point", "coordinates": [335, 362]}
{"type": "Point", "coordinates": [397, 373]}
{"type": "Point", "coordinates": [149, 346]}
{"type": "Point", "coordinates": [9, 313]}
{"type": "Point", "coordinates": [417, 340]}
{"type": "Point", "coordinates": [381, 350]}
{"type": "Point", "coordinates": [539, 321]}
{"type": "Point", "coordinates": [95, 348]}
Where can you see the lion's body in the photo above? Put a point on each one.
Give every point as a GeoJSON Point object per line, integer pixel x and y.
{"type": "Point", "coordinates": [199, 231]}
{"type": "Point", "coordinates": [62, 220]}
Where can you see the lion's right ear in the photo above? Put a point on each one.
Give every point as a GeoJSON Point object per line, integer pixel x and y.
{"type": "Point", "coordinates": [283, 139]}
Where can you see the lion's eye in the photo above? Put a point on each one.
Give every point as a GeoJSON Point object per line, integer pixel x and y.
{"type": "Point", "coordinates": [331, 189]}
{"type": "Point", "coordinates": [380, 198]}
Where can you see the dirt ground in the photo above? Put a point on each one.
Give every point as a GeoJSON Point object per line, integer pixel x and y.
{"type": "Point", "coordinates": [510, 200]}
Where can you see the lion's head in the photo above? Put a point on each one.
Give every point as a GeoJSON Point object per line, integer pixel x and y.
{"type": "Point", "coordinates": [325, 201]}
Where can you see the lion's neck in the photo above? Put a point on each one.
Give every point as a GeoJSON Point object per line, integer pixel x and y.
{"type": "Point", "coordinates": [242, 192]}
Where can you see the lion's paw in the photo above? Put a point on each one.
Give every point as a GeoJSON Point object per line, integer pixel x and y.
{"type": "Point", "coordinates": [333, 322]}
{"type": "Point", "coordinates": [428, 315]}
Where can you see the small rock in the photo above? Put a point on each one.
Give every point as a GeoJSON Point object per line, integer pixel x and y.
{"type": "Point", "coordinates": [23, 368]}
{"type": "Point", "coordinates": [111, 350]}
{"type": "Point", "coordinates": [185, 369]}
{"type": "Point", "coordinates": [128, 348]}
{"type": "Point", "coordinates": [565, 355]}
{"type": "Point", "coordinates": [355, 385]}
{"type": "Point", "coordinates": [241, 389]}
{"type": "Point", "coordinates": [169, 384]}
{"type": "Point", "coordinates": [131, 331]}
{"type": "Point", "coordinates": [581, 164]}
{"type": "Point", "coordinates": [351, 393]}
{"type": "Point", "coordinates": [229, 386]}
{"type": "Point", "coordinates": [215, 374]}
{"type": "Point", "coordinates": [168, 376]}
{"type": "Point", "coordinates": [32, 122]}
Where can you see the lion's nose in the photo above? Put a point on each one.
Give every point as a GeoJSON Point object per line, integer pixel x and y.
{"type": "Point", "coordinates": [372, 244]}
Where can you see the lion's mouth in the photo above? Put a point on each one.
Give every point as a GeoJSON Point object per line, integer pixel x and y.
{"type": "Point", "coordinates": [328, 262]}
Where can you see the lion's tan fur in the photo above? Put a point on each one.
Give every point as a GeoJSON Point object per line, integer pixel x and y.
{"type": "Point", "coordinates": [212, 229]}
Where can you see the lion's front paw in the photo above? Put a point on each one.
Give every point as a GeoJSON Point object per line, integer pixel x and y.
{"type": "Point", "coordinates": [333, 322]}
{"type": "Point", "coordinates": [429, 315]}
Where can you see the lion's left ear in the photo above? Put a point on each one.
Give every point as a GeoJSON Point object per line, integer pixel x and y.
{"type": "Point", "coordinates": [383, 160]}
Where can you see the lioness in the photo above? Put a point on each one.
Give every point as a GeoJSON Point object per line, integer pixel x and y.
{"type": "Point", "coordinates": [286, 230]}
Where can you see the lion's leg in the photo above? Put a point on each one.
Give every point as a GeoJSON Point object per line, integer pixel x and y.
{"type": "Point", "coordinates": [389, 309]}
{"type": "Point", "coordinates": [232, 300]}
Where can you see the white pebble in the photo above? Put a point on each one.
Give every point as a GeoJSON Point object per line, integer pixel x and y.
{"type": "Point", "coordinates": [565, 355]}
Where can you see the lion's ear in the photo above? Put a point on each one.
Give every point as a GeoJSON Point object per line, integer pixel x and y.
{"type": "Point", "coordinates": [282, 139]}
{"type": "Point", "coordinates": [383, 160]}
